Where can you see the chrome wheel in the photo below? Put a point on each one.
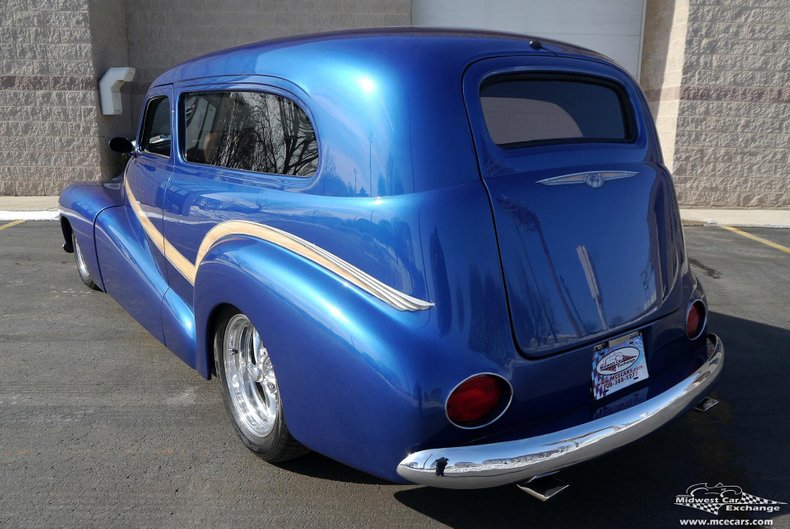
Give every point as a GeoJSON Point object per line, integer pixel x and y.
{"type": "Point", "coordinates": [249, 378]}
{"type": "Point", "coordinates": [82, 265]}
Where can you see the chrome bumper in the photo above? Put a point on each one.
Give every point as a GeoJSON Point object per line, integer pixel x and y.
{"type": "Point", "coordinates": [491, 465]}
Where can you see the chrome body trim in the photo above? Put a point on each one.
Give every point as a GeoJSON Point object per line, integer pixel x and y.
{"type": "Point", "coordinates": [491, 465]}
{"type": "Point", "coordinates": [594, 179]}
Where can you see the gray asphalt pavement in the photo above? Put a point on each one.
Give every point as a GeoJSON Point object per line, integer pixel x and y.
{"type": "Point", "coordinates": [100, 426]}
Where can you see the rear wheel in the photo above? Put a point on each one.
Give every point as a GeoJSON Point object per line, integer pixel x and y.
{"type": "Point", "coordinates": [82, 265]}
{"type": "Point", "coordinates": [250, 390]}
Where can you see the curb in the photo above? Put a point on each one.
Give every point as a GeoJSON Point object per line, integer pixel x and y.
{"type": "Point", "coordinates": [30, 215]}
{"type": "Point", "coordinates": [743, 218]}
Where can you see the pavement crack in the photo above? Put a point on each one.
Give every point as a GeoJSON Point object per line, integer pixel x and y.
{"type": "Point", "coordinates": [710, 272]}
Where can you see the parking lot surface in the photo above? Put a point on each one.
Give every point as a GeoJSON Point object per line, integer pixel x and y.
{"type": "Point", "coordinates": [101, 426]}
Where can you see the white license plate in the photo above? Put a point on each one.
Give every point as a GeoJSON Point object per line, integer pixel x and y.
{"type": "Point", "coordinates": [618, 364]}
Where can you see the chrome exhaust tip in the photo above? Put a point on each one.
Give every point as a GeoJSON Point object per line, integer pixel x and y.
{"type": "Point", "coordinates": [705, 404]}
{"type": "Point", "coordinates": [543, 487]}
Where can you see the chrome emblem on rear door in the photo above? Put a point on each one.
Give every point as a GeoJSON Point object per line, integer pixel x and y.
{"type": "Point", "coordinates": [594, 179]}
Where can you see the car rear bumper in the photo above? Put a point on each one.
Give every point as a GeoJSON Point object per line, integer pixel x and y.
{"type": "Point", "coordinates": [491, 465]}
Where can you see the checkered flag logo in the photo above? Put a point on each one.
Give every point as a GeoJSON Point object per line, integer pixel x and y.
{"type": "Point", "coordinates": [597, 379]}
{"type": "Point", "coordinates": [617, 364]}
{"type": "Point", "coordinates": [711, 498]}
{"type": "Point", "coordinates": [707, 507]}
{"type": "Point", "coordinates": [756, 500]}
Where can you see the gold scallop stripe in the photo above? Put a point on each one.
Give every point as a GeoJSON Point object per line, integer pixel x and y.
{"type": "Point", "coordinates": [179, 262]}
{"type": "Point", "coordinates": [313, 253]}
{"type": "Point", "coordinates": [288, 241]}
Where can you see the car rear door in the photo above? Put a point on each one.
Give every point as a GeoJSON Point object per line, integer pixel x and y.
{"type": "Point", "coordinates": [585, 214]}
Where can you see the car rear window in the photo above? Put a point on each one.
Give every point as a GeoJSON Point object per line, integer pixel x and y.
{"type": "Point", "coordinates": [253, 131]}
{"type": "Point", "coordinates": [527, 110]}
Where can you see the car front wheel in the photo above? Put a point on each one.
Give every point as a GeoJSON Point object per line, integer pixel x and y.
{"type": "Point", "coordinates": [82, 265]}
{"type": "Point", "coordinates": [250, 390]}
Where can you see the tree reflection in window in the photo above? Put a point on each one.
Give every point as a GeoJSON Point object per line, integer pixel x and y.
{"type": "Point", "coordinates": [253, 131]}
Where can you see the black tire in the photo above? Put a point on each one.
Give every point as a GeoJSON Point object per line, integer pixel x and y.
{"type": "Point", "coordinates": [265, 433]}
{"type": "Point", "coordinates": [82, 265]}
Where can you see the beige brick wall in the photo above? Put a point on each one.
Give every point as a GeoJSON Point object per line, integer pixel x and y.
{"type": "Point", "coordinates": [716, 74]}
{"type": "Point", "coordinates": [48, 127]}
{"type": "Point", "coordinates": [110, 48]}
{"type": "Point", "coordinates": [723, 117]}
{"type": "Point", "coordinates": [162, 34]}
{"type": "Point", "coordinates": [52, 53]}
{"type": "Point", "coordinates": [661, 74]}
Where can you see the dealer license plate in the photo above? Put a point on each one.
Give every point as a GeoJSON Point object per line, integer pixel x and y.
{"type": "Point", "coordinates": [618, 364]}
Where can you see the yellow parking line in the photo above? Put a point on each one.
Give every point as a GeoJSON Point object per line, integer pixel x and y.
{"type": "Point", "coordinates": [766, 242]}
{"type": "Point", "coordinates": [11, 224]}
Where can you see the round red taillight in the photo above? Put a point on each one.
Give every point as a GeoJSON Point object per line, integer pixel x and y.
{"type": "Point", "coordinates": [478, 400]}
{"type": "Point", "coordinates": [695, 320]}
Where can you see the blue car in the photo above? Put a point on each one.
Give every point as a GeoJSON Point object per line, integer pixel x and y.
{"type": "Point", "coordinates": [443, 257]}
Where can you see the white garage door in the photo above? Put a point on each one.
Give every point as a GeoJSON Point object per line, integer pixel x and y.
{"type": "Point", "coordinates": [611, 27]}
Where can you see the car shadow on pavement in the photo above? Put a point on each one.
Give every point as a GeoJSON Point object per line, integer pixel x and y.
{"type": "Point", "coordinates": [739, 442]}
{"type": "Point", "coordinates": [317, 466]}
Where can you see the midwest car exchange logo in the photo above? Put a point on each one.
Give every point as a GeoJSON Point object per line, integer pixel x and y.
{"type": "Point", "coordinates": [719, 498]}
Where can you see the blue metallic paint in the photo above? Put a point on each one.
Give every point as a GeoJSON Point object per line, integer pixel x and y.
{"type": "Point", "coordinates": [80, 205]}
{"type": "Point", "coordinates": [399, 195]}
{"type": "Point", "coordinates": [628, 228]}
{"type": "Point", "coordinates": [130, 273]}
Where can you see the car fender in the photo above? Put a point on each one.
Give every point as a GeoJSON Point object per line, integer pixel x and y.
{"type": "Point", "coordinates": [80, 205]}
{"type": "Point", "coordinates": [349, 366]}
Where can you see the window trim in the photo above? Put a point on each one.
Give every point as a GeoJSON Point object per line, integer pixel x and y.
{"type": "Point", "coordinates": [150, 100]}
{"type": "Point", "coordinates": [626, 108]}
{"type": "Point", "coordinates": [250, 88]}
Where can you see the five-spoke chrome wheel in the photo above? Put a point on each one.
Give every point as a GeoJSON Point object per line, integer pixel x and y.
{"type": "Point", "coordinates": [250, 390]}
{"type": "Point", "coordinates": [249, 377]}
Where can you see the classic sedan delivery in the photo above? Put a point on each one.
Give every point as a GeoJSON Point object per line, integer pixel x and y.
{"type": "Point", "coordinates": [444, 257]}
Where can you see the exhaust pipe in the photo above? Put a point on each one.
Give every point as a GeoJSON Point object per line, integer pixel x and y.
{"type": "Point", "coordinates": [543, 487]}
{"type": "Point", "coordinates": [705, 404]}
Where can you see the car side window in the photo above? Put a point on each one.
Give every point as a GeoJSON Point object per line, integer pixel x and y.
{"type": "Point", "coordinates": [253, 131]}
{"type": "Point", "coordinates": [157, 137]}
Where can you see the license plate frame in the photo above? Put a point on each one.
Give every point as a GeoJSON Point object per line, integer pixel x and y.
{"type": "Point", "coordinates": [617, 364]}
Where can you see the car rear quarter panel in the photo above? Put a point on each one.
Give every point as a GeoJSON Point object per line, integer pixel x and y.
{"type": "Point", "coordinates": [350, 366]}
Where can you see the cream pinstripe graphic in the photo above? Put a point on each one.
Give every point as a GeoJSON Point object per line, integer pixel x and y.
{"type": "Point", "coordinates": [290, 242]}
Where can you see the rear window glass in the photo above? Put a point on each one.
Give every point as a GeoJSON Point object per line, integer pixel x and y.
{"type": "Point", "coordinates": [524, 110]}
{"type": "Point", "coordinates": [254, 131]}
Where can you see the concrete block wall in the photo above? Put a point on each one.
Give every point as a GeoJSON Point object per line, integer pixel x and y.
{"type": "Point", "coordinates": [661, 75]}
{"type": "Point", "coordinates": [110, 48]}
{"type": "Point", "coordinates": [48, 107]}
{"type": "Point", "coordinates": [53, 52]}
{"type": "Point", "coordinates": [732, 146]}
{"type": "Point", "coordinates": [163, 34]}
{"type": "Point", "coordinates": [716, 74]}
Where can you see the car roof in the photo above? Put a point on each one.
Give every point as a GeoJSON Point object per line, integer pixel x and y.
{"type": "Point", "coordinates": [387, 104]}
{"type": "Point", "coordinates": [437, 47]}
